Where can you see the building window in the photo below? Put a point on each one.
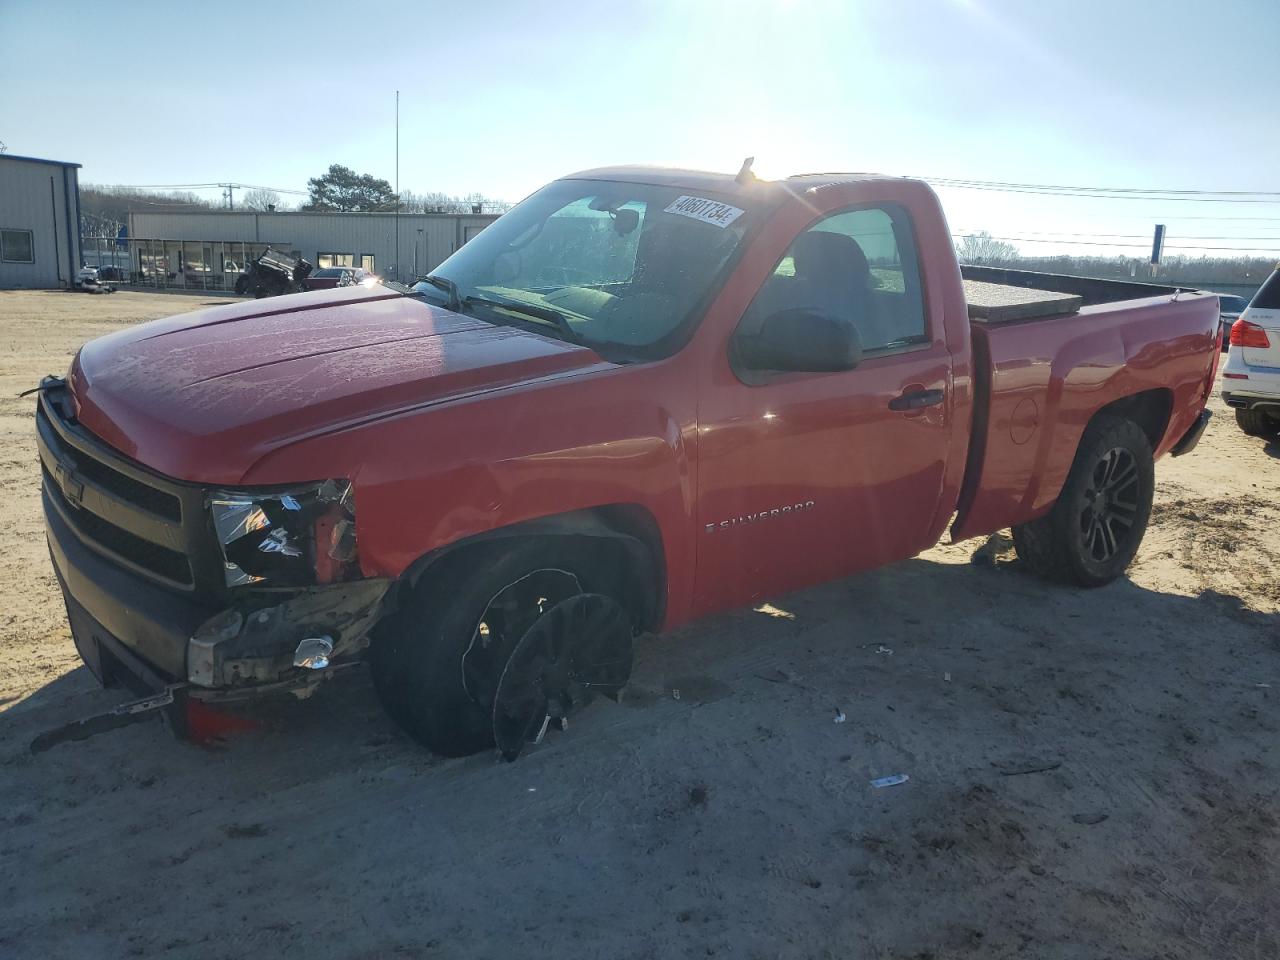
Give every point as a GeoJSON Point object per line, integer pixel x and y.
{"type": "Point", "coordinates": [17, 246]}
{"type": "Point", "coordinates": [366, 262]}
{"type": "Point", "coordinates": [324, 260]}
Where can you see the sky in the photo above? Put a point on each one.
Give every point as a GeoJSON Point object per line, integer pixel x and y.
{"type": "Point", "coordinates": [500, 97]}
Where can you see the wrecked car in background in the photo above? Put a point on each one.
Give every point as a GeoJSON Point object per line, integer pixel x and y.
{"type": "Point", "coordinates": [272, 274]}
{"type": "Point", "coordinates": [640, 397]}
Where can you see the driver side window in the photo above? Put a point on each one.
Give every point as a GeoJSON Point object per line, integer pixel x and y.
{"type": "Point", "coordinates": [858, 267]}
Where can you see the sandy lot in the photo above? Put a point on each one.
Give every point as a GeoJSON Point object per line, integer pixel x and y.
{"type": "Point", "coordinates": [735, 821]}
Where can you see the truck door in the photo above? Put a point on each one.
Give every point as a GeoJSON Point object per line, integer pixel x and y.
{"type": "Point", "coordinates": [805, 477]}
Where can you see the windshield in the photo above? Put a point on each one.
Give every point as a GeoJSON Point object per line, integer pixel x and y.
{"type": "Point", "coordinates": [625, 264]}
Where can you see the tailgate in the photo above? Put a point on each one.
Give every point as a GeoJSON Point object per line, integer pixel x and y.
{"type": "Point", "coordinates": [1268, 356]}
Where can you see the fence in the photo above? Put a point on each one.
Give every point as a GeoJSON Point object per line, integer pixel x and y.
{"type": "Point", "coordinates": [172, 264]}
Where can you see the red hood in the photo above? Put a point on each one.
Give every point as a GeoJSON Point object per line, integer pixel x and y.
{"type": "Point", "coordinates": [205, 395]}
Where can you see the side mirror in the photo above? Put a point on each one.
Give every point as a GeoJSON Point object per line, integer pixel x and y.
{"type": "Point", "coordinates": [800, 340]}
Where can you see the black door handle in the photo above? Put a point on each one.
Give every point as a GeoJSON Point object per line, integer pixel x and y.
{"type": "Point", "coordinates": [916, 399]}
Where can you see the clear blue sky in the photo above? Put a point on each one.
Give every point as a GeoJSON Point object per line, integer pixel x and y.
{"type": "Point", "coordinates": [499, 97]}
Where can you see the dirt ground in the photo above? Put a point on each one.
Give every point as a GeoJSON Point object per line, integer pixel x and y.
{"type": "Point", "coordinates": [1092, 773]}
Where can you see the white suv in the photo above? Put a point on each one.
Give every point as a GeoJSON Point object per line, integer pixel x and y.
{"type": "Point", "coordinates": [1251, 378]}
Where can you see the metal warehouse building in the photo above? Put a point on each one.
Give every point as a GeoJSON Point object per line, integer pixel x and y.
{"type": "Point", "coordinates": [208, 248]}
{"type": "Point", "coordinates": [39, 222]}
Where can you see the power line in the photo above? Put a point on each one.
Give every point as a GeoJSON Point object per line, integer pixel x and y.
{"type": "Point", "coordinates": [1052, 234]}
{"type": "Point", "coordinates": [1103, 243]}
{"type": "Point", "coordinates": [255, 186]}
{"type": "Point", "coordinates": [1001, 184]}
{"type": "Point", "coordinates": [1255, 219]}
{"type": "Point", "coordinates": [1138, 236]}
{"type": "Point", "coordinates": [203, 186]}
{"type": "Point", "coordinates": [160, 186]}
{"type": "Point", "coordinates": [1096, 196]}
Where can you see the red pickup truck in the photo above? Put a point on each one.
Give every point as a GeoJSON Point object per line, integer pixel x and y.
{"type": "Point", "coordinates": [640, 397]}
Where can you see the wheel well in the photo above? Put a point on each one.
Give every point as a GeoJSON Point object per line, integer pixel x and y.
{"type": "Point", "coordinates": [1149, 409]}
{"type": "Point", "coordinates": [620, 544]}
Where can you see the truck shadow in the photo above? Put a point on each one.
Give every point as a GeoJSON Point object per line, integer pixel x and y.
{"type": "Point", "coordinates": [857, 634]}
{"type": "Point", "coordinates": [1063, 748]}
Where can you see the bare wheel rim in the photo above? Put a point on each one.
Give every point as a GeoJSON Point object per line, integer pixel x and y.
{"type": "Point", "coordinates": [579, 647]}
{"type": "Point", "coordinates": [1111, 505]}
{"type": "Point", "coordinates": [505, 619]}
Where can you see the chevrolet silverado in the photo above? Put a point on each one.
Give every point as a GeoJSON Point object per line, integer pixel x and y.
{"type": "Point", "coordinates": [639, 397]}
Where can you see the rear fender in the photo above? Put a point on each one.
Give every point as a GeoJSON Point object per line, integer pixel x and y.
{"type": "Point", "coordinates": [1149, 409]}
{"type": "Point", "coordinates": [1016, 483]}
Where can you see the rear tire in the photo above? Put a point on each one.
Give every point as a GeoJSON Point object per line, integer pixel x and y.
{"type": "Point", "coordinates": [1094, 530]}
{"type": "Point", "coordinates": [435, 669]}
{"type": "Point", "coordinates": [1257, 423]}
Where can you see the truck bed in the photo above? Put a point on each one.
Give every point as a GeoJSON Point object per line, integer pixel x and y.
{"type": "Point", "coordinates": [1037, 382]}
{"type": "Point", "coordinates": [1090, 291]}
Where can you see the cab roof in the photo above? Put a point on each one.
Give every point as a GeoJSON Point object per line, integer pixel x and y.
{"type": "Point", "coordinates": [724, 183]}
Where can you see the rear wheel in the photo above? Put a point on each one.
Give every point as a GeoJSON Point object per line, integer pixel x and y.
{"type": "Point", "coordinates": [437, 662]}
{"type": "Point", "coordinates": [1093, 531]}
{"type": "Point", "coordinates": [1257, 423]}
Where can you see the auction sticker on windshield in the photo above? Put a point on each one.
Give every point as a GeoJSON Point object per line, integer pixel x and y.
{"type": "Point", "coordinates": [708, 211]}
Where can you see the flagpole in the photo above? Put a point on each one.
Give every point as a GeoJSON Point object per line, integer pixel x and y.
{"type": "Point", "coordinates": [397, 217]}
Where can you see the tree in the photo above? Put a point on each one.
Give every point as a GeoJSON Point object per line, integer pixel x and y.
{"type": "Point", "coordinates": [983, 248]}
{"type": "Point", "coordinates": [261, 199]}
{"type": "Point", "coordinates": [343, 189]}
{"type": "Point", "coordinates": [116, 203]}
{"type": "Point", "coordinates": [432, 202]}
{"type": "Point", "coordinates": [437, 202]}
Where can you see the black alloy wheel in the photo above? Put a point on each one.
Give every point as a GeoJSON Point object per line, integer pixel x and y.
{"type": "Point", "coordinates": [1111, 505]}
{"type": "Point", "coordinates": [1093, 531]}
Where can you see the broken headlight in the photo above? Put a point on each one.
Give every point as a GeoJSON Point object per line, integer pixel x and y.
{"type": "Point", "coordinates": [296, 537]}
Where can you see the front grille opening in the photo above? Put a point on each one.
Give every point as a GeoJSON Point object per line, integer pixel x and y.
{"type": "Point", "coordinates": [161, 561]}
{"type": "Point", "coordinates": [126, 487]}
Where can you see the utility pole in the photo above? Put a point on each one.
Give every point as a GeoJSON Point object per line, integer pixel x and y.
{"type": "Point", "coordinates": [1157, 248]}
{"type": "Point", "coordinates": [229, 194]}
{"type": "Point", "coordinates": [397, 216]}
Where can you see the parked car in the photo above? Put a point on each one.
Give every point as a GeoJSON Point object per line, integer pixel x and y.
{"type": "Point", "coordinates": [1251, 377]}
{"type": "Point", "coordinates": [327, 278]}
{"type": "Point", "coordinates": [640, 397]}
{"type": "Point", "coordinates": [1229, 309]}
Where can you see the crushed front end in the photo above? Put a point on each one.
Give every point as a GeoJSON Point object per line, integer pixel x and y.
{"type": "Point", "coordinates": [219, 594]}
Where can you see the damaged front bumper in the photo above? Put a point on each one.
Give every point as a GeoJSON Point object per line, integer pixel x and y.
{"type": "Point", "coordinates": [133, 633]}
{"type": "Point", "coordinates": [289, 643]}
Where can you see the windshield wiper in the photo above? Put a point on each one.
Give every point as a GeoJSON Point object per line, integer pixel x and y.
{"type": "Point", "coordinates": [545, 314]}
{"type": "Point", "coordinates": [449, 287]}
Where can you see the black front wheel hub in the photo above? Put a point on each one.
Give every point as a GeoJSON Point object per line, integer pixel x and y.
{"type": "Point", "coordinates": [577, 648]}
